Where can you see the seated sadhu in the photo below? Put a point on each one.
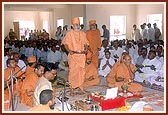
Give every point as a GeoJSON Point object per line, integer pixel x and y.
{"type": "Point", "coordinates": [124, 73]}
{"type": "Point", "coordinates": [110, 79]}
{"type": "Point", "coordinates": [12, 71]}
{"type": "Point", "coordinates": [91, 72]}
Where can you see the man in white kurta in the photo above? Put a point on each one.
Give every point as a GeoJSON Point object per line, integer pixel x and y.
{"type": "Point", "coordinates": [151, 33]}
{"type": "Point", "coordinates": [44, 82]}
{"type": "Point", "coordinates": [159, 78]}
{"type": "Point", "coordinates": [117, 51]}
{"type": "Point", "coordinates": [102, 49]}
{"type": "Point", "coordinates": [106, 64]}
{"type": "Point", "coordinates": [142, 57]}
{"type": "Point", "coordinates": [160, 54]}
{"type": "Point", "coordinates": [135, 35]}
{"type": "Point", "coordinates": [144, 32]}
{"type": "Point", "coordinates": [146, 71]}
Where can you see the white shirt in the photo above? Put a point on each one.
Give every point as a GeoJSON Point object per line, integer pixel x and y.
{"type": "Point", "coordinates": [152, 79]}
{"type": "Point", "coordinates": [101, 53]}
{"type": "Point", "coordinates": [147, 71]}
{"type": "Point", "coordinates": [135, 56]}
{"type": "Point", "coordinates": [22, 64]}
{"type": "Point", "coordinates": [5, 59]}
{"type": "Point", "coordinates": [107, 69]}
{"type": "Point", "coordinates": [29, 52]}
{"type": "Point", "coordinates": [161, 59]}
{"type": "Point", "coordinates": [53, 57]}
{"type": "Point", "coordinates": [151, 34]}
{"type": "Point", "coordinates": [15, 49]}
{"type": "Point", "coordinates": [22, 50]}
{"type": "Point", "coordinates": [135, 35]}
{"type": "Point", "coordinates": [44, 55]}
{"type": "Point", "coordinates": [154, 62]}
{"type": "Point", "coordinates": [118, 52]}
{"type": "Point", "coordinates": [41, 85]}
{"type": "Point", "coordinates": [161, 71]}
{"type": "Point", "coordinates": [144, 34]}
{"type": "Point", "coordinates": [38, 54]}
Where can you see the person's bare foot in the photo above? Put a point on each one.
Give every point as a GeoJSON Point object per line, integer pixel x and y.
{"type": "Point", "coordinates": [146, 83]}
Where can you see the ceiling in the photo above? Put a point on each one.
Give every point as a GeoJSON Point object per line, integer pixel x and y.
{"type": "Point", "coordinates": [33, 7]}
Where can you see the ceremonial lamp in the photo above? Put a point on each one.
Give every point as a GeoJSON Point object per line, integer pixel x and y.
{"type": "Point", "coordinates": [124, 89]}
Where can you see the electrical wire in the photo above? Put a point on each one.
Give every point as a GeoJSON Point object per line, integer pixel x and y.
{"type": "Point", "coordinates": [17, 94]}
{"type": "Point", "coordinates": [61, 95]}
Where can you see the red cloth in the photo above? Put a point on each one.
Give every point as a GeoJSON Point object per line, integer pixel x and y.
{"type": "Point", "coordinates": [113, 103]}
{"type": "Point", "coordinates": [135, 96]}
{"type": "Point", "coordinates": [110, 103]}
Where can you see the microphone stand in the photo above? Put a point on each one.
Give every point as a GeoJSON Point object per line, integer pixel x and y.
{"type": "Point", "coordinates": [12, 90]}
{"type": "Point", "coordinates": [63, 96]}
{"type": "Point", "coordinates": [63, 92]}
{"type": "Point", "coordinates": [12, 76]}
{"type": "Point", "coordinates": [16, 73]}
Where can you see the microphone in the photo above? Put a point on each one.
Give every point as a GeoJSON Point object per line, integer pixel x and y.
{"type": "Point", "coordinates": [13, 76]}
{"type": "Point", "coordinates": [19, 70]}
{"type": "Point", "coordinates": [62, 82]}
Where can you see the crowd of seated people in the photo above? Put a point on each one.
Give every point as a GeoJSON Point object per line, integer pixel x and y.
{"type": "Point", "coordinates": [120, 61]}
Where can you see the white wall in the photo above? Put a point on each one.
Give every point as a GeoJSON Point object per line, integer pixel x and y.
{"type": "Point", "coordinates": [135, 13]}
{"type": "Point", "coordinates": [60, 13]}
{"type": "Point", "coordinates": [102, 12]}
{"type": "Point", "coordinates": [36, 16]}
{"type": "Point", "coordinates": [66, 13]}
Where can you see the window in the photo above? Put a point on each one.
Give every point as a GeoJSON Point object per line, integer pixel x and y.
{"type": "Point", "coordinates": [81, 20]}
{"type": "Point", "coordinates": [45, 25]}
{"type": "Point", "coordinates": [117, 27]}
{"type": "Point", "coordinates": [25, 28]}
{"type": "Point", "coordinates": [155, 18]}
{"type": "Point", "coordinates": [60, 22]}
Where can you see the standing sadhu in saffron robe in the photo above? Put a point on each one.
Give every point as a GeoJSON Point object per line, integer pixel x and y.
{"type": "Point", "coordinates": [93, 36]}
{"type": "Point", "coordinates": [76, 44]}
